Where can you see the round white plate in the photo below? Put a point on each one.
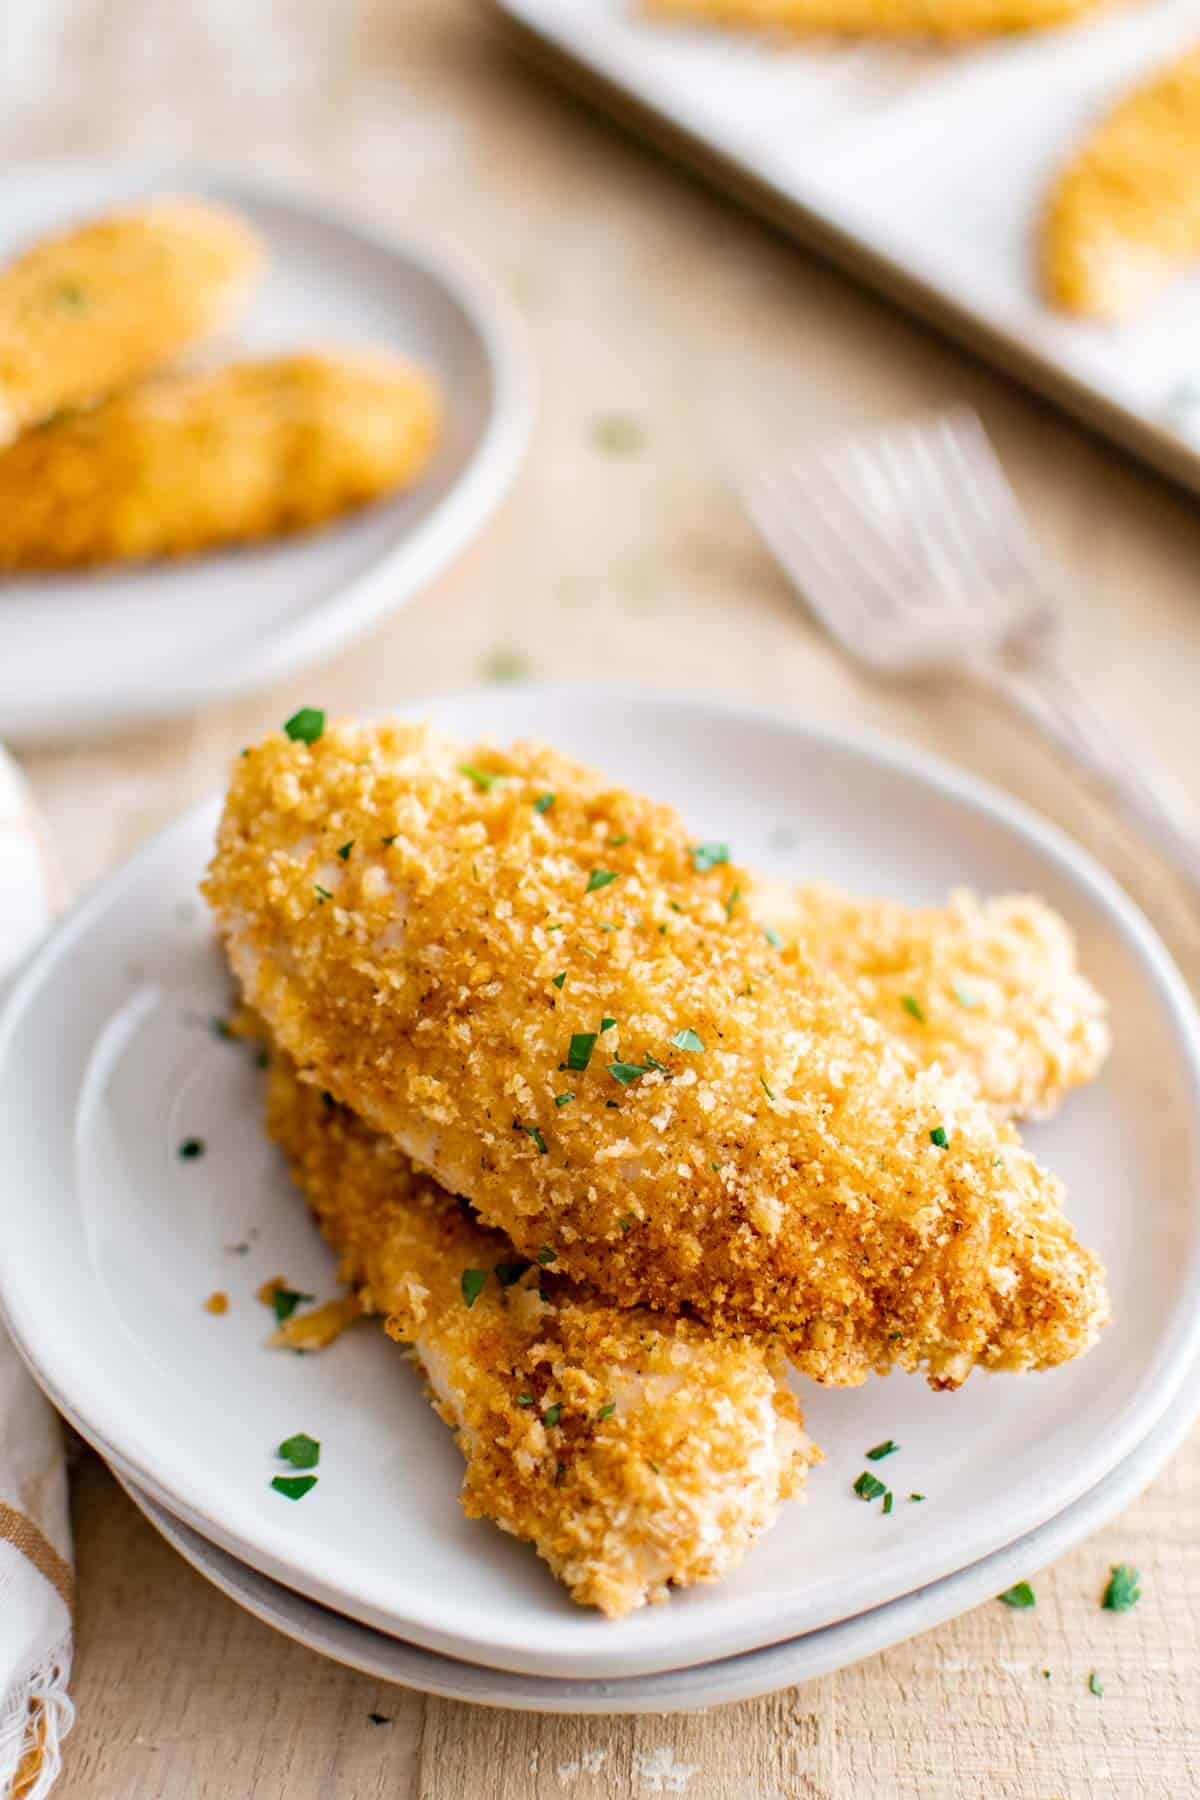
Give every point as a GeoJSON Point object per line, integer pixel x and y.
{"type": "Point", "coordinates": [112, 1242]}
{"type": "Point", "coordinates": [707, 1684]}
{"type": "Point", "coordinates": [148, 641]}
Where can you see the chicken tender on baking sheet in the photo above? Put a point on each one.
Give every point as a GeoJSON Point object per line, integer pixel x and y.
{"type": "Point", "coordinates": [632, 1450]}
{"type": "Point", "coordinates": [1124, 215]}
{"type": "Point", "coordinates": [103, 304]}
{"type": "Point", "coordinates": [555, 1001]}
{"type": "Point", "coordinates": [879, 18]}
{"type": "Point", "coordinates": [989, 988]}
{"type": "Point", "coordinates": [186, 462]}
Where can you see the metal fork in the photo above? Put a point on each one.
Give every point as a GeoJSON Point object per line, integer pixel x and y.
{"type": "Point", "coordinates": [908, 545]}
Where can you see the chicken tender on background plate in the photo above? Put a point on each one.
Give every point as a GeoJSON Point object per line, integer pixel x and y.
{"type": "Point", "coordinates": [1124, 215]}
{"type": "Point", "coordinates": [556, 1002]}
{"type": "Point", "coordinates": [633, 1451]}
{"type": "Point", "coordinates": [90, 309]}
{"type": "Point", "coordinates": [990, 988]}
{"type": "Point", "coordinates": [187, 462]}
{"type": "Point", "coordinates": [879, 18]}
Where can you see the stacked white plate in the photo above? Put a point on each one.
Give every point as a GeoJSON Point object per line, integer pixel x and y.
{"type": "Point", "coordinates": [108, 1063]}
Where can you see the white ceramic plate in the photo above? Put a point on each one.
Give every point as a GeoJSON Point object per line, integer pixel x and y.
{"type": "Point", "coordinates": [707, 1684]}
{"type": "Point", "coordinates": [112, 1242]}
{"type": "Point", "coordinates": [148, 641]}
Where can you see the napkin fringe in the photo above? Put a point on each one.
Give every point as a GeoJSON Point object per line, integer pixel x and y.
{"type": "Point", "coordinates": [35, 1717]}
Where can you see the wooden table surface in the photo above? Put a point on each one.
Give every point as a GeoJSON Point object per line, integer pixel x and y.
{"type": "Point", "coordinates": [649, 300]}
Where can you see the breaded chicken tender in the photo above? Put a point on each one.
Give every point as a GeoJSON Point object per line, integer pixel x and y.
{"type": "Point", "coordinates": [632, 1450]}
{"type": "Point", "coordinates": [187, 462]}
{"type": "Point", "coordinates": [104, 304]}
{"type": "Point", "coordinates": [555, 1002]}
{"type": "Point", "coordinates": [1124, 215]}
{"type": "Point", "coordinates": [988, 988]}
{"type": "Point", "coordinates": [879, 18]}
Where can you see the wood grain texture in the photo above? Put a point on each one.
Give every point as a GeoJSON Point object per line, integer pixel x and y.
{"type": "Point", "coordinates": [649, 301]}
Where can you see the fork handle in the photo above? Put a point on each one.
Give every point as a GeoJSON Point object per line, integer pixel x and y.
{"type": "Point", "coordinates": [1046, 692]}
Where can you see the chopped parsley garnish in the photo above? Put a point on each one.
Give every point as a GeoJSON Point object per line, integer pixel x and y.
{"type": "Point", "coordinates": [389, 841]}
{"type": "Point", "coordinates": [912, 1006]}
{"type": "Point", "coordinates": [223, 1029]}
{"type": "Point", "coordinates": [531, 1131]}
{"type": "Point", "coordinates": [938, 1136]}
{"type": "Point", "coordinates": [734, 896]}
{"type": "Point", "coordinates": [484, 780]}
{"type": "Point", "coordinates": [887, 1448]}
{"type": "Point", "coordinates": [617, 434]}
{"type": "Point", "coordinates": [559, 979]}
{"type": "Point", "coordinates": [563, 1099]}
{"type": "Point", "coordinates": [190, 1149]}
{"type": "Point", "coordinates": [625, 1072]}
{"type": "Point", "coordinates": [606, 1024]}
{"type": "Point", "coordinates": [345, 850]}
{"type": "Point", "coordinates": [302, 1451]}
{"type": "Point", "coordinates": [916, 1496]}
{"type": "Point", "coordinates": [524, 1399]}
{"type": "Point", "coordinates": [965, 998]}
{"type": "Point", "coordinates": [306, 726]}
{"type": "Point", "coordinates": [285, 1301]}
{"type": "Point", "coordinates": [579, 1052]}
{"type": "Point", "coordinates": [552, 1414]}
{"type": "Point", "coordinates": [625, 1224]}
{"type": "Point", "coordinates": [473, 1283]}
{"type": "Point", "coordinates": [323, 893]}
{"type": "Point", "coordinates": [543, 803]}
{"type": "Point", "coordinates": [599, 878]}
{"type": "Point", "coordinates": [1122, 1591]}
{"type": "Point", "coordinates": [887, 1501]}
{"type": "Point", "coordinates": [606, 1412]}
{"type": "Point", "coordinates": [379, 1718]}
{"type": "Point", "coordinates": [506, 665]}
{"type": "Point", "coordinates": [661, 1067]}
{"type": "Point", "coordinates": [1095, 1685]}
{"type": "Point", "coordinates": [622, 837]}
{"type": "Point", "coordinates": [293, 1487]}
{"type": "Point", "coordinates": [867, 1487]}
{"type": "Point", "coordinates": [687, 1039]}
{"type": "Point", "coordinates": [773, 938]}
{"type": "Point", "coordinates": [546, 1255]}
{"type": "Point", "coordinates": [708, 856]}
{"type": "Point", "coordinates": [507, 1273]}
{"type": "Point", "coordinates": [766, 1090]}
{"type": "Point", "coordinates": [1020, 1595]}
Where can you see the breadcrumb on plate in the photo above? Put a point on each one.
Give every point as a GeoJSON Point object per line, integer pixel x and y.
{"type": "Point", "coordinates": [988, 988]}
{"type": "Point", "coordinates": [633, 1451]}
{"type": "Point", "coordinates": [92, 308]}
{"type": "Point", "coordinates": [879, 18]}
{"type": "Point", "coordinates": [1124, 214]}
{"type": "Point", "coordinates": [186, 462]}
{"type": "Point", "coordinates": [790, 1176]}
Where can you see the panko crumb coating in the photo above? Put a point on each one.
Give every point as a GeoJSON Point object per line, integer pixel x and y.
{"type": "Point", "coordinates": [186, 462]}
{"type": "Point", "coordinates": [634, 1452]}
{"type": "Point", "coordinates": [93, 308]}
{"type": "Point", "coordinates": [1124, 214]}
{"type": "Point", "coordinates": [789, 1177]}
{"type": "Point", "coordinates": [987, 988]}
{"type": "Point", "coordinates": [879, 18]}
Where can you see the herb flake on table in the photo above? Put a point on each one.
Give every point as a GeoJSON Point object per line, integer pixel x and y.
{"type": "Point", "coordinates": [618, 434]}
{"type": "Point", "coordinates": [472, 1284]}
{"type": "Point", "coordinates": [888, 1447]}
{"type": "Point", "coordinates": [190, 1149]}
{"type": "Point", "coordinates": [887, 1501]}
{"type": "Point", "coordinates": [1095, 1685]}
{"type": "Point", "coordinates": [506, 665]}
{"type": "Point", "coordinates": [1123, 1591]}
{"type": "Point", "coordinates": [293, 1487]}
{"type": "Point", "coordinates": [285, 1300]}
{"type": "Point", "coordinates": [302, 1451]}
{"type": "Point", "coordinates": [1020, 1595]}
{"type": "Point", "coordinates": [306, 726]}
{"type": "Point", "coordinates": [868, 1487]}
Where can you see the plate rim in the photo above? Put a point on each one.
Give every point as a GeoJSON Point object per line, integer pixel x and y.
{"type": "Point", "coordinates": [1173, 1358]}
{"type": "Point", "coordinates": [391, 581]}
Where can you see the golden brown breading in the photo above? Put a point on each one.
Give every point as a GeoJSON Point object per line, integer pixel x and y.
{"type": "Point", "coordinates": [988, 988]}
{"type": "Point", "coordinates": [790, 1177]}
{"type": "Point", "coordinates": [1125, 212]}
{"type": "Point", "coordinates": [631, 1450]}
{"type": "Point", "coordinates": [879, 18]}
{"type": "Point", "coordinates": [186, 462]}
{"type": "Point", "coordinates": [90, 309]}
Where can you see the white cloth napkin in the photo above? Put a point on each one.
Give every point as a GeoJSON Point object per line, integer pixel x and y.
{"type": "Point", "coordinates": [36, 1576]}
